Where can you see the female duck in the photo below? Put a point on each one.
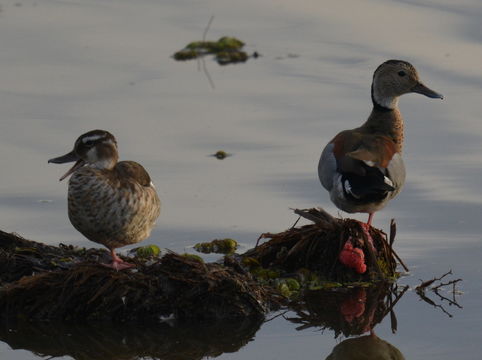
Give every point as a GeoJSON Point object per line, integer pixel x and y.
{"type": "Point", "coordinates": [111, 203]}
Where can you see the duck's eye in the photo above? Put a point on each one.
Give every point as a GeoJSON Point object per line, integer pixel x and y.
{"type": "Point", "coordinates": [402, 73]}
{"type": "Point", "coordinates": [89, 143]}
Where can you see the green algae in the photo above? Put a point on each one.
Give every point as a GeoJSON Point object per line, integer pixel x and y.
{"type": "Point", "coordinates": [147, 251]}
{"type": "Point", "coordinates": [193, 257]}
{"type": "Point", "coordinates": [220, 155]}
{"type": "Point", "coordinates": [217, 246]}
{"type": "Point", "coordinates": [227, 50]}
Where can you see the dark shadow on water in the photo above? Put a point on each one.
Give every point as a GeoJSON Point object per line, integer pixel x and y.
{"type": "Point", "coordinates": [105, 341]}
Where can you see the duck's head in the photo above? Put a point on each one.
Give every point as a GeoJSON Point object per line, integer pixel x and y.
{"type": "Point", "coordinates": [96, 148]}
{"type": "Point", "coordinates": [394, 78]}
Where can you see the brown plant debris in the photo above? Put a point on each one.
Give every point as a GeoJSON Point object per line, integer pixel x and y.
{"type": "Point", "coordinates": [316, 247]}
{"type": "Point", "coordinates": [437, 286]}
{"type": "Point", "coordinates": [66, 283]}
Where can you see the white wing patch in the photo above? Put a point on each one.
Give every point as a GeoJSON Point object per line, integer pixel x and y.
{"type": "Point", "coordinates": [387, 181]}
{"type": "Point", "coordinates": [347, 187]}
{"type": "Point", "coordinates": [369, 163]}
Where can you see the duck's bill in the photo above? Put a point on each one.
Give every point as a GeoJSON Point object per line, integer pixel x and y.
{"type": "Point", "coordinates": [70, 157]}
{"type": "Point", "coordinates": [422, 89]}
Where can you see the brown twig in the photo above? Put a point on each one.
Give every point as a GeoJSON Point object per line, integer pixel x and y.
{"type": "Point", "coordinates": [393, 231]}
{"type": "Point", "coordinates": [420, 290]}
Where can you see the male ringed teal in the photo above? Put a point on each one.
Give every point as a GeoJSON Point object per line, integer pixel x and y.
{"type": "Point", "coordinates": [363, 168]}
{"type": "Point", "coordinates": [111, 203]}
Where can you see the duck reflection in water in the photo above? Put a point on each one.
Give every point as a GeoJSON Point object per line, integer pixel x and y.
{"type": "Point", "coordinates": [353, 312]}
{"type": "Point", "coordinates": [368, 347]}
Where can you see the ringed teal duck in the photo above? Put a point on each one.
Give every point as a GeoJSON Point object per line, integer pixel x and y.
{"type": "Point", "coordinates": [111, 203]}
{"type": "Point", "coordinates": [363, 168]}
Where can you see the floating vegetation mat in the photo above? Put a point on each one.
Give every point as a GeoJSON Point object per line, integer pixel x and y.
{"type": "Point", "coordinates": [316, 252]}
{"type": "Point", "coordinates": [227, 50]}
{"type": "Point", "coordinates": [44, 282]}
{"type": "Point", "coordinates": [65, 283]}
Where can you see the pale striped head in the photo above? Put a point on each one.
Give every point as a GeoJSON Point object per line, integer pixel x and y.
{"type": "Point", "coordinates": [96, 148]}
{"type": "Point", "coordinates": [394, 78]}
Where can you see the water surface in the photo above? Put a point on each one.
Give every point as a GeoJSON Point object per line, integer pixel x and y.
{"type": "Point", "coordinates": [71, 66]}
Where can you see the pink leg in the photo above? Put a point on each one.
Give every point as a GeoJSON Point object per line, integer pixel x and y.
{"type": "Point", "coordinates": [117, 262]}
{"type": "Point", "coordinates": [370, 218]}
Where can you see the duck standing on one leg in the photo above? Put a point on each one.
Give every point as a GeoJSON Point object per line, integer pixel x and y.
{"type": "Point", "coordinates": [111, 203]}
{"type": "Point", "coordinates": [363, 168]}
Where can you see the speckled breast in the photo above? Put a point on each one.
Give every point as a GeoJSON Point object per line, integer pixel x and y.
{"type": "Point", "coordinates": [110, 211]}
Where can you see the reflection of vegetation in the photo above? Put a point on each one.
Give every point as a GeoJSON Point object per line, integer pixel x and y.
{"type": "Point", "coordinates": [104, 341]}
{"type": "Point", "coordinates": [436, 286]}
{"type": "Point", "coordinates": [352, 311]}
{"type": "Point", "coordinates": [227, 50]}
{"type": "Point", "coordinates": [348, 311]}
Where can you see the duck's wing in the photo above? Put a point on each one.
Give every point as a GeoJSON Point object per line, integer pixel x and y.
{"type": "Point", "coordinates": [364, 164]}
{"type": "Point", "coordinates": [133, 171]}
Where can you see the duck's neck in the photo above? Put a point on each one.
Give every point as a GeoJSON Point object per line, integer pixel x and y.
{"type": "Point", "coordinates": [388, 122]}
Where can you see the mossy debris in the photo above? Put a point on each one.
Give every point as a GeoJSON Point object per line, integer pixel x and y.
{"type": "Point", "coordinates": [217, 246]}
{"type": "Point", "coordinates": [37, 285]}
{"type": "Point", "coordinates": [313, 252]}
{"type": "Point", "coordinates": [227, 50]}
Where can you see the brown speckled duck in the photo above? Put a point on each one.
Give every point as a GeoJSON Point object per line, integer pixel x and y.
{"type": "Point", "coordinates": [363, 168]}
{"type": "Point", "coordinates": [111, 203]}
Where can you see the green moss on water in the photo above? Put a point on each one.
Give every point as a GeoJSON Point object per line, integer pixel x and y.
{"type": "Point", "coordinates": [231, 57]}
{"type": "Point", "coordinates": [218, 246]}
{"type": "Point", "coordinates": [221, 155]}
{"type": "Point", "coordinates": [227, 50]}
{"type": "Point", "coordinates": [186, 54]}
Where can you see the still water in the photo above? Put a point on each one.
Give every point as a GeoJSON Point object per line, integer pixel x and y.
{"type": "Point", "coordinates": [69, 66]}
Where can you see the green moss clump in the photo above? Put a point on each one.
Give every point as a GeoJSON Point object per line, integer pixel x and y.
{"type": "Point", "coordinates": [221, 155]}
{"type": "Point", "coordinates": [229, 43]}
{"type": "Point", "coordinates": [218, 246]}
{"type": "Point", "coordinates": [265, 274]}
{"type": "Point", "coordinates": [293, 284]}
{"type": "Point", "coordinates": [147, 251]}
{"type": "Point", "coordinates": [194, 257]}
{"type": "Point", "coordinates": [231, 57]}
{"type": "Point", "coordinates": [186, 54]}
{"type": "Point", "coordinates": [227, 50]}
{"type": "Point", "coordinates": [250, 262]}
